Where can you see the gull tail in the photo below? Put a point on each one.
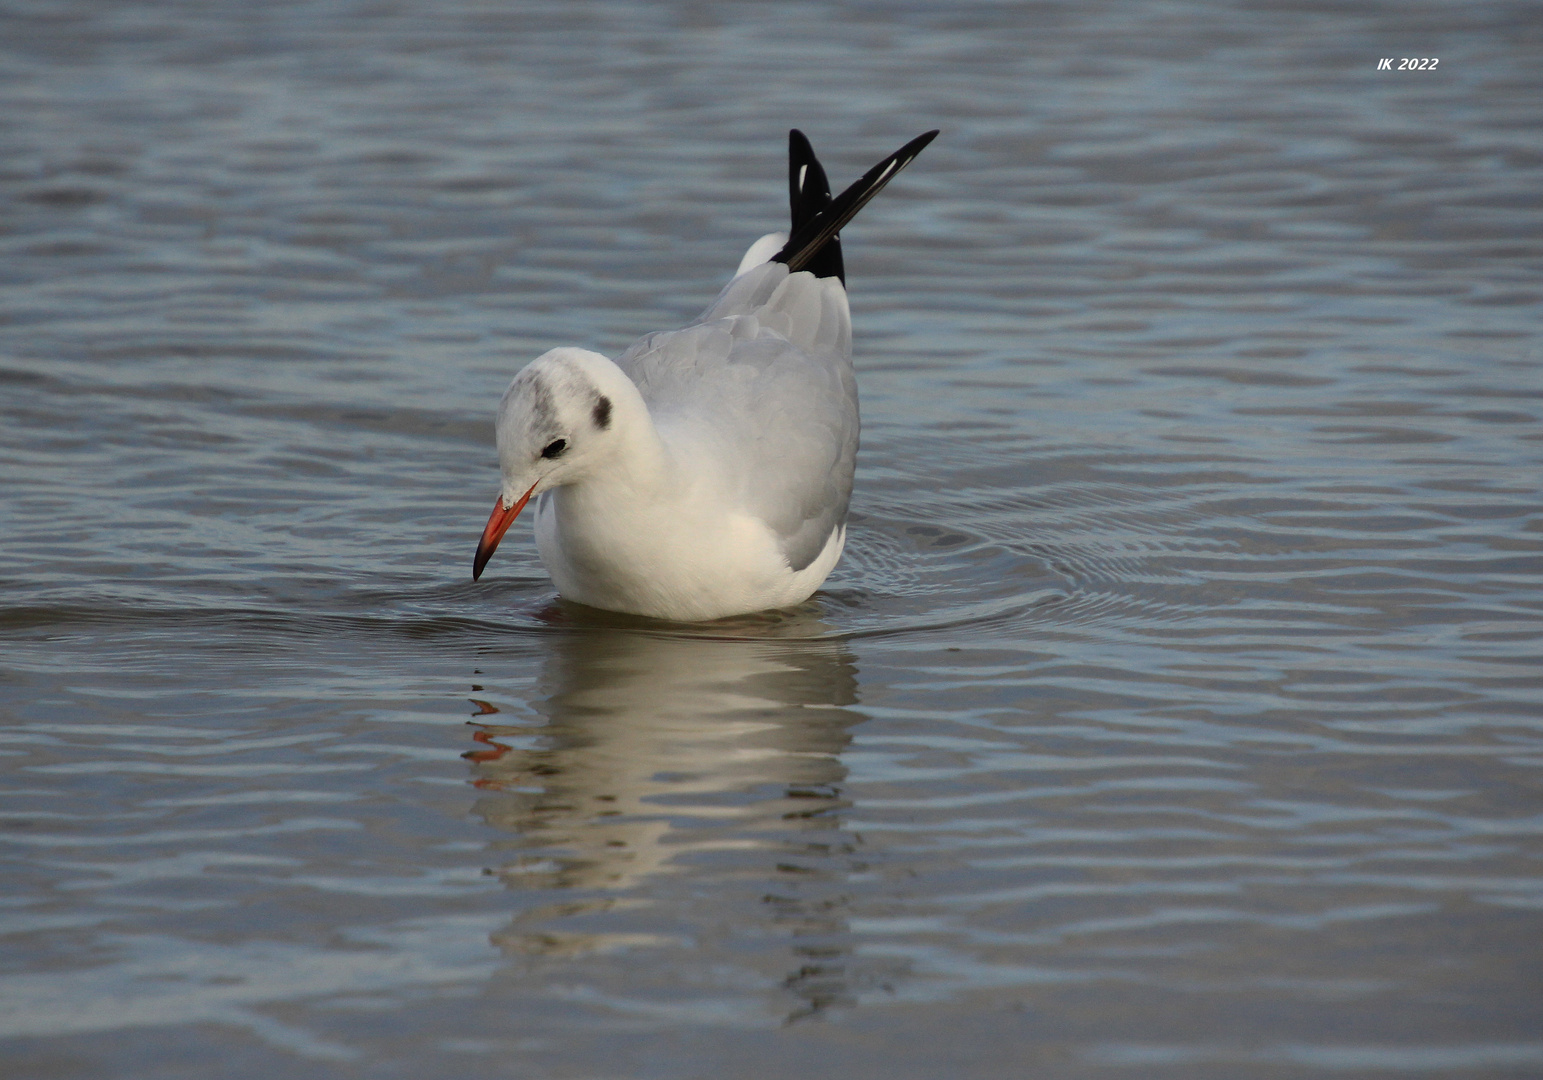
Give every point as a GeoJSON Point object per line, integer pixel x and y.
{"type": "Point", "coordinates": [815, 243]}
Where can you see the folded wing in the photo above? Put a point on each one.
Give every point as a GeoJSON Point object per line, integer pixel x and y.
{"type": "Point", "coordinates": [764, 381]}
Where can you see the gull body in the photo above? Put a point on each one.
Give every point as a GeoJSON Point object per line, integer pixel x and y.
{"type": "Point", "coordinates": [706, 471]}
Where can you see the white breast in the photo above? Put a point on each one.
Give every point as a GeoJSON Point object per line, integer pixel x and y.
{"type": "Point", "coordinates": [679, 558]}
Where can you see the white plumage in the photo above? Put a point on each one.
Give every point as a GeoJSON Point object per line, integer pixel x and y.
{"type": "Point", "coordinates": [706, 472]}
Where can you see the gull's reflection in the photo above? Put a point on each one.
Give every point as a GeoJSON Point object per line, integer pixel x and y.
{"type": "Point", "coordinates": [679, 773]}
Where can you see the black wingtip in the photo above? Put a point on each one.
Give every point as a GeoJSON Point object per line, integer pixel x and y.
{"type": "Point", "coordinates": [812, 237]}
{"type": "Point", "coordinates": [808, 189]}
{"type": "Point", "coordinates": [808, 195]}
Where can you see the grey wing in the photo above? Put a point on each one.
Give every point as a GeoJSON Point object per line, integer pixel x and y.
{"type": "Point", "coordinates": [800, 481]}
{"type": "Point", "coordinates": [766, 374]}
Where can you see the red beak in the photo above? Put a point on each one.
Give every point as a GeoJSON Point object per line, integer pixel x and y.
{"type": "Point", "coordinates": [498, 524]}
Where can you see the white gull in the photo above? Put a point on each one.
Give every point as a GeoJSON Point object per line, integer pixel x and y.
{"type": "Point", "coordinates": [706, 471]}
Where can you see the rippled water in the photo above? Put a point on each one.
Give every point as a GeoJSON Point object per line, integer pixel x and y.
{"type": "Point", "coordinates": [1176, 712]}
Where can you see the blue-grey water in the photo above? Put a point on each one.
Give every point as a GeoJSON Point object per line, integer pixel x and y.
{"type": "Point", "coordinates": [1176, 713]}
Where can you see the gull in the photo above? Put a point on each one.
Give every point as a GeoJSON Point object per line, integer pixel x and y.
{"type": "Point", "coordinates": [706, 471]}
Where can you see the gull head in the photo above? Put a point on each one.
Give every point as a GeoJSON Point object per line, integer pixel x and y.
{"type": "Point", "coordinates": [557, 423]}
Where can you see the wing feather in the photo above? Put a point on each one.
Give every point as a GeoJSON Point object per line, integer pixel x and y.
{"type": "Point", "coordinates": [772, 354]}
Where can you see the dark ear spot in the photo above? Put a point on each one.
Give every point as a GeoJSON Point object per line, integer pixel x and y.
{"type": "Point", "coordinates": [602, 412]}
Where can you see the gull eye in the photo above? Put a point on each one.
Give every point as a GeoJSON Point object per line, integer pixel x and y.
{"type": "Point", "coordinates": [554, 448]}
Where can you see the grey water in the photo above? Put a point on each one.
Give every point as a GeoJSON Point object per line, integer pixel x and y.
{"type": "Point", "coordinates": [1176, 712]}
